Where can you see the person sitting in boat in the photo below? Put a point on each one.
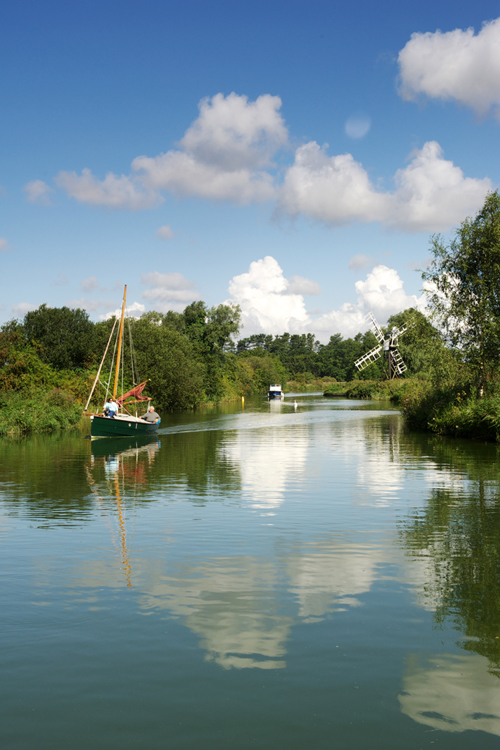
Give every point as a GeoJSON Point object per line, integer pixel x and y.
{"type": "Point", "coordinates": [110, 408]}
{"type": "Point", "coordinates": [151, 415]}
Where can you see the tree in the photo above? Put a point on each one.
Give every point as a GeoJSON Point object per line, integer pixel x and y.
{"type": "Point", "coordinates": [465, 274]}
{"type": "Point", "coordinates": [168, 360]}
{"type": "Point", "coordinates": [210, 332]}
{"type": "Point", "coordinates": [65, 336]}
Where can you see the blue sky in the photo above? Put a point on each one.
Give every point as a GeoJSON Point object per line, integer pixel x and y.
{"type": "Point", "coordinates": [293, 157]}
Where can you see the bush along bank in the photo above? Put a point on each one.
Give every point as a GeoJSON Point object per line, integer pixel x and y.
{"type": "Point", "coordinates": [378, 390]}
{"type": "Point", "coordinates": [454, 410]}
{"type": "Point", "coordinates": [22, 412]}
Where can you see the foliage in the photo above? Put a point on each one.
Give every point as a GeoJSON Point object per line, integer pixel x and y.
{"type": "Point", "coordinates": [63, 335]}
{"type": "Point", "coordinates": [169, 360]}
{"type": "Point", "coordinates": [265, 369]}
{"type": "Point", "coordinates": [385, 390]}
{"type": "Point", "coordinates": [37, 410]}
{"type": "Point", "coordinates": [453, 409]}
{"type": "Point", "coordinates": [466, 277]}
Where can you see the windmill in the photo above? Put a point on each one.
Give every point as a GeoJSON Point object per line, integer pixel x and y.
{"type": "Point", "coordinates": [387, 347]}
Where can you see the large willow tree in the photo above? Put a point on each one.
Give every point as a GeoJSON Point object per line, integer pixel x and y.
{"type": "Point", "coordinates": [465, 274]}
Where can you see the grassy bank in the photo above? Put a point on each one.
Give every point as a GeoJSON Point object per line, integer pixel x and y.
{"type": "Point", "coordinates": [36, 411]}
{"type": "Point", "coordinates": [378, 390]}
{"type": "Point", "coordinates": [300, 385]}
{"type": "Point", "coordinates": [453, 410]}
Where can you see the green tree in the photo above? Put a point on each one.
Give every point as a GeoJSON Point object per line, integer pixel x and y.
{"type": "Point", "coordinates": [210, 331]}
{"type": "Point", "coordinates": [170, 362]}
{"type": "Point", "coordinates": [465, 274]}
{"type": "Point", "coordinates": [65, 336]}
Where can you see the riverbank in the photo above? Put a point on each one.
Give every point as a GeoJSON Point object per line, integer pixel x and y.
{"type": "Point", "coordinates": [378, 390]}
{"type": "Point", "coordinates": [453, 410]}
{"type": "Point", "coordinates": [450, 410]}
{"type": "Point", "coordinates": [37, 411]}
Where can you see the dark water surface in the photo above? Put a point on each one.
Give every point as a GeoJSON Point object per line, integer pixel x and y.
{"type": "Point", "coordinates": [273, 578]}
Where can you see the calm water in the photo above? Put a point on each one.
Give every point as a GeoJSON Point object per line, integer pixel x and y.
{"type": "Point", "coordinates": [273, 578]}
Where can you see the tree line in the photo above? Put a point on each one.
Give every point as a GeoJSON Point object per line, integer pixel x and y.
{"type": "Point", "coordinates": [189, 357]}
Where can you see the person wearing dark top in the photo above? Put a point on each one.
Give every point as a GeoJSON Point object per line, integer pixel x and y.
{"type": "Point", "coordinates": [151, 415]}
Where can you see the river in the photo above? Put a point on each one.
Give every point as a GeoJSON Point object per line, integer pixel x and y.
{"type": "Point", "coordinates": [278, 576]}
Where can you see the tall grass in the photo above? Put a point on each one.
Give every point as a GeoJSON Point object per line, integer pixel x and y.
{"type": "Point", "coordinates": [454, 409]}
{"type": "Point", "coordinates": [34, 411]}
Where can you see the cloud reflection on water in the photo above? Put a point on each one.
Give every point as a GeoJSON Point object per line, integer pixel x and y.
{"type": "Point", "coordinates": [452, 693]}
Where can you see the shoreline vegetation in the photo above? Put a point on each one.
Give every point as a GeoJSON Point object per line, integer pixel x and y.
{"type": "Point", "coordinates": [48, 360]}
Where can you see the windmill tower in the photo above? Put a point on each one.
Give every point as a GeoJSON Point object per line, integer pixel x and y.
{"type": "Point", "coordinates": [387, 347]}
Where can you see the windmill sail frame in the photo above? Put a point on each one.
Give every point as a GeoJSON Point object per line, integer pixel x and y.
{"type": "Point", "coordinates": [387, 348]}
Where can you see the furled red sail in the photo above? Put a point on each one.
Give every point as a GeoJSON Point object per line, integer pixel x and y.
{"type": "Point", "coordinates": [135, 392]}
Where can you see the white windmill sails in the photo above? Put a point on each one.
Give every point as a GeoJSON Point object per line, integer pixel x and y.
{"type": "Point", "coordinates": [387, 347]}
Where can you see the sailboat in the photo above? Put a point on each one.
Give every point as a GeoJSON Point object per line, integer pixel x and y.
{"type": "Point", "coordinates": [123, 423]}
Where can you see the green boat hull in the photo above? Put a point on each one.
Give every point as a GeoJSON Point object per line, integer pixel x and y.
{"type": "Point", "coordinates": [120, 427]}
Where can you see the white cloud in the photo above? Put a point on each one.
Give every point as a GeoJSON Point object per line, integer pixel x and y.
{"type": "Point", "coordinates": [4, 245]}
{"type": "Point", "coordinates": [334, 189]}
{"type": "Point", "coordinates": [39, 192]}
{"type": "Point", "coordinates": [232, 133]}
{"type": "Point", "coordinates": [183, 175]}
{"type": "Point", "coordinates": [20, 310]}
{"type": "Point", "coordinates": [357, 126]}
{"type": "Point", "coordinates": [381, 292]}
{"type": "Point", "coordinates": [300, 285]}
{"type": "Point", "coordinates": [222, 156]}
{"type": "Point", "coordinates": [90, 284]}
{"type": "Point", "coordinates": [165, 232]}
{"type": "Point", "coordinates": [454, 65]}
{"type": "Point", "coordinates": [269, 306]}
{"type": "Point", "coordinates": [112, 192]}
{"type": "Point", "coordinates": [169, 291]}
{"type": "Point", "coordinates": [431, 193]}
{"type": "Point", "coordinates": [266, 304]}
{"type": "Point", "coordinates": [225, 155]}
{"type": "Point", "coordinates": [135, 310]}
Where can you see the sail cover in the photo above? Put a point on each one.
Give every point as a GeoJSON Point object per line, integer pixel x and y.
{"type": "Point", "coordinates": [135, 392]}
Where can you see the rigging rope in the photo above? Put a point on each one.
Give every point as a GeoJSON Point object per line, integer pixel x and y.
{"type": "Point", "coordinates": [111, 367]}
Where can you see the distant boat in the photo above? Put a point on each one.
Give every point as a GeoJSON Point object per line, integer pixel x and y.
{"type": "Point", "coordinates": [275, 393]}
{"type": "Point", "coordinates": [122, 424]}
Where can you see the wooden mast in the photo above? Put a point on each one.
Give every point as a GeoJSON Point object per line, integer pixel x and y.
{"type": "Point", "coordinates": [120, 336]}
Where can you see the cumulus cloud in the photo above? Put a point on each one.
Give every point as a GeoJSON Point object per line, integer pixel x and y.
{"type": "Point", "coordinates": [232, 133]}
{"type": "Point", "coordinates": [39, 192]}
{"type": "Point", "coordinates": [4, 244]}
{"type": "Point", "coordinates": [135, 310]}
{"type": "Point", "coordinates": [169, 291]}
{"type": "Point", "coordinates": [226, 155]}
{"type": "Point", "coordinates": [457, 65]}
{"type": "Point", "coordinates": [20, 310]}
{"type": "Point", "coordinates": [112, 192]}
{"type": "Point", "coordinates": [222, 156]}
{"type": "Point", "coordinates": [334, 189]}
{"type": "Point", "coordinates": [431, 193]}
{"type": "Point", "coordinates": [266, 301]}
{"type": "Point", "coordinates": [381, 292]}
{"type": "Point", "coordinates": [165, 232]}
{"type": "Point", "coordinates": [300, 285]}
{"type": "Point", "coordinates": [268, 304]}
{"type": "Point", "coordinates": [90, 284]}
